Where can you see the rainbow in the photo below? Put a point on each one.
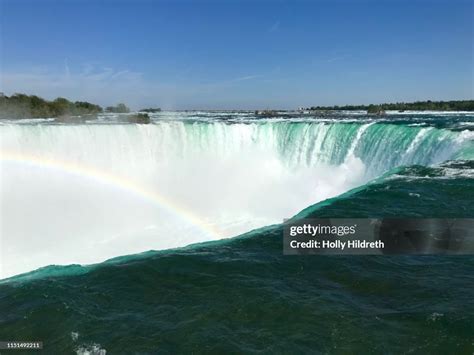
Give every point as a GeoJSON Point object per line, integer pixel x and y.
{"type": "Point", "coordinates": [114, 181]}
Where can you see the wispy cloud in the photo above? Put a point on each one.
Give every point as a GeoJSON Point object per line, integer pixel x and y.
{"type": "Point", "coordinates": [66, 68]}
{"type": "Point", "coordinates": [248, 77]}
{"type": "Point", "coordinates": [274, 27]}
{"type": "Point", "coordinates": [330, 59]}
{"type": "Point", "coordinates": [336, 58]}
{"type": "Point", "coordinates": [97, 84]}
{"type": "Point", "coordinates": [226, 82]}
{"type": "Point", "coordinates": [105, 86]}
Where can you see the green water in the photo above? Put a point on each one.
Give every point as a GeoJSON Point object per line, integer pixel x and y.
{"type": "Point", "coordinates": [242, 295]}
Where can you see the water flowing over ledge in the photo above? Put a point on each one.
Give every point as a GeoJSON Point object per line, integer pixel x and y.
{"type": "Point", "coordinates": [85, 193]}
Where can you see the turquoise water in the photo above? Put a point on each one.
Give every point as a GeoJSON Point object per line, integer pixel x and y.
{"type": "Point", "coordinates": [242, 295]}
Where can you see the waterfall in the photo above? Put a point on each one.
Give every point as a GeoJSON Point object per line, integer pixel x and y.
{"type": "Point", "coordinates": [84, 193]}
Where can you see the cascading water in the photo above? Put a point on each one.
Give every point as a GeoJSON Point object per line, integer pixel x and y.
{"type": "Point", "coordinates": [85, 193]}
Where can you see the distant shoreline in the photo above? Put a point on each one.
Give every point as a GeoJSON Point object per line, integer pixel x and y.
{"type": "Point", "coordinates": [452, 105]}
{"type": "Point", "coordinates": [22, 106]}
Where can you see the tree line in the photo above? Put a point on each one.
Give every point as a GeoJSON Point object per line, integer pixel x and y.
{"type": "Point", "coordinates": [32, 106]}
{"type": "Point", "coordinates": [453, 105]}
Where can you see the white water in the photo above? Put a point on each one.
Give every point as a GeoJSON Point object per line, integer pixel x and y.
{"type": "Point", "coordinates": [232, 178]}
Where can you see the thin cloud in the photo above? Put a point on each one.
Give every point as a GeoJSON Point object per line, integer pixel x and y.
{"type": "Point", "coordinates": [248, 77]}
{"type": "Point", "coordinates": [334, 59]}
{"type": "Point", "coordinates": [275, 27]}
{"type": "Point", "coordinates": [104, 85]}
{"type": "Point", "coordinates": [66, 68]}
{"type": "Point", "coordinates": [227, 82]}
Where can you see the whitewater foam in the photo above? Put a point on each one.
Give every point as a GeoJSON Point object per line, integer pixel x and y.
{"type": "Point", "coordinates": [231, 177]}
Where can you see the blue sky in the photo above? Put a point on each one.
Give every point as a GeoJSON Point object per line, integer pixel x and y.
{"type": "Point", "coordinates": [238, 54]}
